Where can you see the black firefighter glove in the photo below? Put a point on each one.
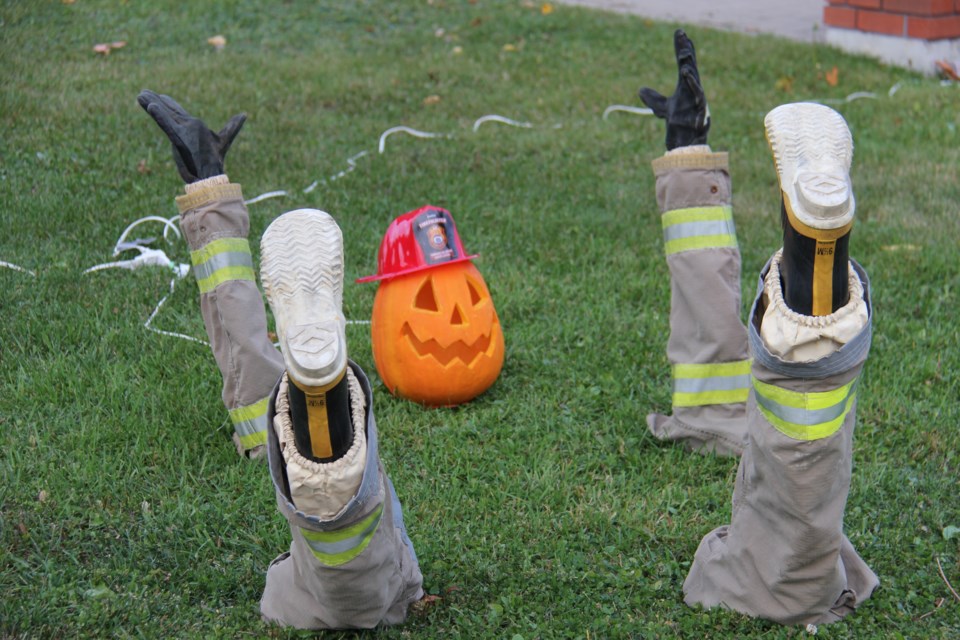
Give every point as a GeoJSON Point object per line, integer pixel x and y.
{"type": "Point", "coordinates": [686, 111]}
{"type": "Point", "coordinates": [198, 151]}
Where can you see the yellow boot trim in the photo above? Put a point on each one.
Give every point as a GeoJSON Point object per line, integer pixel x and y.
{"type": "Point", "coordinates": [318, 420]}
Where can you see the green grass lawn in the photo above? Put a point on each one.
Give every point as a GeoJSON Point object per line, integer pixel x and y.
{"type": "Point", "coordinates": [541, 510]}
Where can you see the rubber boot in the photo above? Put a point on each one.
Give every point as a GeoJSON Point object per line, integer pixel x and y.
{"type": "Point", "coordinates": [813, 149]}
{"type": "Point", "coordinates": [302, 274]}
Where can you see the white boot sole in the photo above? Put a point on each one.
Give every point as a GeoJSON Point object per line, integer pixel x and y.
{"type": "Point", "coordinates": [302, 273]}
{"type": "Point", "coordinates": [813, 149]}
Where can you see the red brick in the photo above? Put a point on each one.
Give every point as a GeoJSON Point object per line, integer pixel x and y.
{"type": "Point", "coordinates": [879, 22]}
{"type": "Point", "coordinates": [934, 28]}
{"type": "Point", "coordinates": [919, 7]}
{"type": "Point", "coordinates": [865, 4]}
{"type": "Point", "coordinates": [840, 17]}
{"type": "Point", "coordinates": [956, 6]}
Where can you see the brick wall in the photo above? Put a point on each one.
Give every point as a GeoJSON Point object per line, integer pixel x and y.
{"type": "Point", "coordinates": [920, 19]}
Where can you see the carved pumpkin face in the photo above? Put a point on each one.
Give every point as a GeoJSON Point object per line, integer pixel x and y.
{"type": "Point", "coordinates": [436, 335]}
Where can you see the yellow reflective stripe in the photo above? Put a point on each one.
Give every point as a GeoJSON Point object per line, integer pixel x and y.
{"type": "Point", "coordinates": [696, 385]}
{"type": "Point", "coordinates": [222, 261]}
{"type": "Point", "coordinates": [223, 245]}
{"type": "Point", "coordinates": [250, 423]}
{"type": "Point", "coordinates": [698, 228]}
{"type": "Point", "coordinates": [253, 440]}
{"type": "Point", "coordinates": [805, 416]}
{"type": "Point", "coordinates": [225, 275]}
{"type": "Point", "coordinates": [334, 548]}
{"type": "Point", "coordinates": [711, 370]}
{"type": "Point", "coordinates": [699, 242]}
{"type": "Point", "coordinates": [702, 398]}
{"type": "Point", "coordinates": [696, 214]}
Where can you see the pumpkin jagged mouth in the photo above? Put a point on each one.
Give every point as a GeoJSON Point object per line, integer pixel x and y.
{"type": "Point", "coordinates": [459, 350]}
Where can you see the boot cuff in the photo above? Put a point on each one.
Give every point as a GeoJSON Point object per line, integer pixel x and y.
{"type": "Point", "coordinates": [206, 191]}
{"type": "Point", "coordinates": [694, 157]}
{"type": "Point", "coordinates": [323, 489]}
{"type": "Point", "coordinates": [795, 337]}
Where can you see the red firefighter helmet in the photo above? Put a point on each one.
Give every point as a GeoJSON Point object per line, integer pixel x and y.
{"type": "Point", "coordinates": [424, 238]}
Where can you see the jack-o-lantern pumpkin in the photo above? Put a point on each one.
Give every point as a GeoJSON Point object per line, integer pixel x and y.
{"type": "Point", "coordinates": [436, 336]}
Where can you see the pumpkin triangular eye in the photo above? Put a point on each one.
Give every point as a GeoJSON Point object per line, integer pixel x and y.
{"type": "Point", "coordinates": [475, 295]}
{"type": "Point", "coordinates": [457, 317]}
{"type": "Point", "coordinates": [425, 298]}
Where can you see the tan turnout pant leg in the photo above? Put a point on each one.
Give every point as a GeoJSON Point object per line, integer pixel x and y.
{"type": "Point", "coordinates": [215, 223]}
{"type": "Point", "coordinates": [354, 570]}
{"type": "Point", "coordinates": [784, 556]}
{"type": "Point", "coordinates": [707, 348]}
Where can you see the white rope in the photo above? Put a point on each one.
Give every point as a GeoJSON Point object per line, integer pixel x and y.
{"type": "Point", "coordinates": [351, 165]}
{"type": "Point", "coordinates": [167, 226]}
{"type": "Point", "coordinates": [622, 107]}
{"type": "Point", "coordinates": [171, 334]}
{"type": "Point", "coordinates": [10, 265]}
{"type": "Point", "coordinates": [859, 95]}
{"type": "Point", "coordinates": [496, 118]}
{"type": "Point", "coordinates": [409, 131]}
{"type": "Point", "coordinates": [264, 196]}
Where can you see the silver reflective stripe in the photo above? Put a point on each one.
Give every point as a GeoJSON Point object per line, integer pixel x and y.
{"type": "Point", "coordinates": [699, 385]}
{"type": "Point", "coordinates": [693, 229]}
{"type": "Point", "coordinates": [333, 548]}
{"type": "Point", "coordinates": [804, 417]}
{"type": "Point", "coordinates": [220, 261]}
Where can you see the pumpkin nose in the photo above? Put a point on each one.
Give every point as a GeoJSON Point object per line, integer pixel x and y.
{"type": "Point", "coordinates": [457, 316]}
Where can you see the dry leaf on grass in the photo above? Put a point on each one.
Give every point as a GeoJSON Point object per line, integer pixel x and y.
{"type": "Point", "coordinates": [784, 83]}
{"type": "Point", "coordinates": [105, 48]}
{"type": "Point", "coordinates": [546, 9]}
{"type": "Point", "coordinates": [217, 42]}
{"type": "Point", "coordinates": [832, 77]}
{"type": "Point", "coordinates": [434, 99]}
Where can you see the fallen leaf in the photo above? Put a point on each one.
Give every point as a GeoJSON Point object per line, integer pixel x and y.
{"type": "Point", "coordinates": [142, 168]}
{"type": "Point", "coordinates": [423, 604]}
{"type": "Point", "coordinates": [42, 496]}
{"type": "Point", "coordinates": [784, 83]}
{"type": "Point", "coordinates": [949, 69]}
{"type": "Point", "coordinates": [23, 528]}
{"type": "Point", "coordinates": [509, 47]}
{"type": "Point", "coordinates": [457, 50]}
{"type": "Point", "coordinates": [217, 42]}
{"type": "Point", "coordinates": [106, 47]}
{"type": "Point", "coordinates": [434, 99]}
{"type": "Point", "coordinates": [832, 76]}
{"type": "Point", "coordinates": [546, 9]}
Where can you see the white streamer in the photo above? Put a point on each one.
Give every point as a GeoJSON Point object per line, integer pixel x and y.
{"type": "Point", "coordinates": [264, 196]}
{"type": "Point", "coordinates": [167, 226]}
{"type": "Point", "coordinates": [10, 265]}
{"type": "Point", "coordinates": [622, 107]}
{"type": "Point", "coordinates": [171, 334]}
{"type": "Point", "coordinates": [412, 132]}
{"type": "Point", "coordinates": [496, 118]}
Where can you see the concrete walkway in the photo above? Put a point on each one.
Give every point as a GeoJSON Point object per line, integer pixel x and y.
{"type": "Point", "coordinates": [795, 19]}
